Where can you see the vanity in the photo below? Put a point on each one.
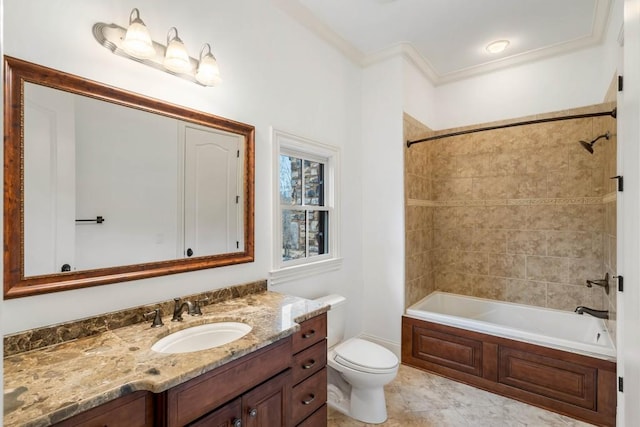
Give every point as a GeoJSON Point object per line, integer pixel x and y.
{"type": "Point", "coordinates": [273, 376]}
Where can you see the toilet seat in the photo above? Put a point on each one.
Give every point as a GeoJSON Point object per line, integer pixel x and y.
{"type": "Point", "coordinates": [365, 356]}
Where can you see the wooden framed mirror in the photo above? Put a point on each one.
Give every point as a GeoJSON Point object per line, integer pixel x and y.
{"type": "Point", "coordinates": [103, 185]}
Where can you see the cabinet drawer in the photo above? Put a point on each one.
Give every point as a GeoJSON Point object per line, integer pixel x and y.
{"type": "Point", "coordinates": [317, 419]}
{"type": "Point", "coordinates": [311, 331]}
{"type": "Point", "coordinates": [308, 396]}
{"type": "Point", "coordinates": [134, 410]}
{"type": "Point", "coordinates": [191, 400]}
{"type": "Point", "coordinates": [309, 361]}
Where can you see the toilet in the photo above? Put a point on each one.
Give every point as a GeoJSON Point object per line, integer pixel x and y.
{"type": "Point", "coordinates": [358, 369]}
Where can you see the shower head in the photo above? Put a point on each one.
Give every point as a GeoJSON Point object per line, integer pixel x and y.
{"type": "Point", "coordinates": [589, 145]}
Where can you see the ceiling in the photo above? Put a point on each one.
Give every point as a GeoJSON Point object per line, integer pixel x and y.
{"type": "Point", "coordinates": [447, 38]}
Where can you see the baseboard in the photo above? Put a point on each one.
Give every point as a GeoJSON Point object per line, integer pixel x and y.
{"type": "Point", "coordinates": [391, 345]}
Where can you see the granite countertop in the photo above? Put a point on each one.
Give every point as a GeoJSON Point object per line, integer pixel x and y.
{"type": "Point", "coordinates": [47, 385]}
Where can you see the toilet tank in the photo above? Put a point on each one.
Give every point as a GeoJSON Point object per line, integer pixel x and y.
{"type": "Point", "coordinates": [336, 317]}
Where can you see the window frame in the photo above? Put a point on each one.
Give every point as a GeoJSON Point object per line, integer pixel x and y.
{"type": "Point", "coordinates": [288, 144]}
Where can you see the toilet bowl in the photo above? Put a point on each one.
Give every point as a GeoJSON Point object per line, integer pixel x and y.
{"type": "Point", "coordinates": [358, 370]}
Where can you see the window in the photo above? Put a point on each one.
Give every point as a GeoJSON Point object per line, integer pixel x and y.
{"type": "Point", "coordinates": [306, 218]}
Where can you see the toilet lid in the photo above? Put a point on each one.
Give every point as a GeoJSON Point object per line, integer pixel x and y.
{"type": "Point", "coordinates": [365, 356]}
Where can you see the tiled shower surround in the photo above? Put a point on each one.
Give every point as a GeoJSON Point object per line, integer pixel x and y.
{"type": "Point", "coordinates": [523, 214]}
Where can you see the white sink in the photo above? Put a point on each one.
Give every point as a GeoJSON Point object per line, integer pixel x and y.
{"type": "Point", "coordinates": [201, 337]}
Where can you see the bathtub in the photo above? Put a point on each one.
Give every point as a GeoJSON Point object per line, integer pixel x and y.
{"type": "Point", "coordinates": [557, 360]}
{"type": "Point", "coordinates": [543, 326]}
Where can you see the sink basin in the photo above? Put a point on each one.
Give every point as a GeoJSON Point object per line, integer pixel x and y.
{"type": "Point", "coordinates": [201, 337]}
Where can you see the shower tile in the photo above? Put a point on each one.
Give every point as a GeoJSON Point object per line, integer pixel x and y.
{"type": "Point", "coordinates": [572, 183]}
{"type": "Point", "coordinates": [489, 287]}
{"type": "Point", "coordinates": [526, 292]}
{"type": "Point", "coordinates": [582, 269]}
{"type": "Point", "coordinates": [574, 244]}
{"type": "Point", "coordinates": [548, 217]}
{"type": "Point", "coordinates": [547, 159]}
{"type": "Point", "coordinates": [468, 216]}
{"type": "Point", "coordinates": [452, 189]}
{"type": "Point", "coordinates": [504, 217]}
{"type": "Point", "coordinates": [527, 242]}
{"type": "Point", "coordinates": [473, 165]}
{"type": "Point", "coordinates": [445, 260]}
{"type": "Point", "coordinates": [568, 297]}
{"type": "Point", "coordinates": [474, 263]}
{"type": "Point", "coordinates": [507, 265]}
{"type": "Point", "coordinates": [547, 269]}
{"type": "Point", "coordinates": [501, 187]}
{"type": "Point", "coordinates": [443, 166]}
{"type": "Point", "coordinates": [445, 217]}
{"type": "Point", "coordinates": [508, 163]}
{"type": "Point", "coordinates": [489, 240]}
{"type": "Point", "coordinates": [448, 281]}
{"type": "Point", "coordinates": [530, 186]}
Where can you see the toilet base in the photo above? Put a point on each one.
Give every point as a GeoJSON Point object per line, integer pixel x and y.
{"type": "Point", "coordinates": [365, 405]}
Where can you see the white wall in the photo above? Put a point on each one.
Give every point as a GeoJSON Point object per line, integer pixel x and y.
{"type": "Point", "coordinates": [419, 95]}
{"type": "Point", "coordinates": [383, 200]}
{"type": "Point", "coordinates": [556, 83]}
{"type": "Point", "coordinates": [275, 73]}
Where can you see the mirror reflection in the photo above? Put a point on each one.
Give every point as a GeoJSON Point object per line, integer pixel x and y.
{"type": "Point", "coordinates": [106, 185]}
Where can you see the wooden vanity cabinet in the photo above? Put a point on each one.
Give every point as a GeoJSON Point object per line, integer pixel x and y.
{"type": "Point", "coordinates": [245, 378]}
{"type": "Point", "coordinates": [309, 384]}
{"type": "Point", "coordinates": [132, 410]}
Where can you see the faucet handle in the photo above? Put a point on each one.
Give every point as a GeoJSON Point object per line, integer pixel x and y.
{"type": "Point", "coordinates": [196, 306]}
{"type": "Point", "coordinates": [157, 318]}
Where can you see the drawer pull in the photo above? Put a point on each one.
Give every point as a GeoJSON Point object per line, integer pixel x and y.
{"type": "Point", "coordinates": [236, 422]}
{"type": "Point", "coordinates": [309, 364]}
{"type": "Point", "coordinates": [311, 398]}
{"type": "Point", "coordinates": [253, 413]}
{"type": "Point", "coordinates": [309, 334]}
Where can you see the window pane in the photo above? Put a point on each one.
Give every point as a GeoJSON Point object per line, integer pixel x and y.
{"type": "Point", "coordinates": [318, 236]}
{"type": "Point", "coordinates": [293, 235]}
{"type": "Point", "coordinates": [313, 183]}
{"type": "Point", "coordinates": [290, 180]}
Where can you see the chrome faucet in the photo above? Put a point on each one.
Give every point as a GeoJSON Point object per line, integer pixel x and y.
{"type": "Point", "coordinates": [602, 314]}
{"type": "Point", "coordinates": [178, 309]}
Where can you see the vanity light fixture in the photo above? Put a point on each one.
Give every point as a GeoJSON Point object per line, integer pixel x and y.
{"type": "Point", "coordinates": [497, 46]}
{"type": "Point", "coordinates": [176, 57]}
{"type": "Point", "coordinates": [135, 43]}
{"type": "Point", "coordinates": [208, 72]}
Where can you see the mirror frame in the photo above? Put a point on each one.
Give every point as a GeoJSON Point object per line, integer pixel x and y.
{"type": "Point", "coordinates": [16, 73]}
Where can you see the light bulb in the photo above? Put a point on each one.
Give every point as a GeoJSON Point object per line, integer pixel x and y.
{"type": "Point", "coordinates": [137, 41]}
{"type": "Point", "coordinates": [176, 58]}
{"type": "Point", "coordinates": [208, 72]}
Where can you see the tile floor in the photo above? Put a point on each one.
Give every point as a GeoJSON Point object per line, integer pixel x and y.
{"type": "Point", "coordinates": [420, 399]}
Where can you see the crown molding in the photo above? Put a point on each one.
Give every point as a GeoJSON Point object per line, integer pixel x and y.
{"type": "Point", "coordinates": [306, 18]}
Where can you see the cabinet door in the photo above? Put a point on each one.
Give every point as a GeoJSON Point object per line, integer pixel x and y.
{"type": "Point", "coordinates": [228, 416]}
{"type": "Point", "coordinates": [268, 404]}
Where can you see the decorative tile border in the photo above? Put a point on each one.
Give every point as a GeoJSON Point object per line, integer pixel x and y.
{"type": "Point", "coordinates": [515, 202]}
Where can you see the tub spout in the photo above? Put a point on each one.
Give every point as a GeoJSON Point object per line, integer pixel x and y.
{"type": "Point", "coordinates": [602, 314]}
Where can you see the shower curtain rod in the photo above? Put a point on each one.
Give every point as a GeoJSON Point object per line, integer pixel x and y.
{"type": "Point", "coordinates": [613, 113]}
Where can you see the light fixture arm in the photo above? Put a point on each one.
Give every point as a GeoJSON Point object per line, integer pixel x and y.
{"type": "Point", "coordinates": [137, 18]}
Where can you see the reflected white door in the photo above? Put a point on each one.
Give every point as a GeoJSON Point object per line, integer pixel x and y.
{"type": "Point", "coordinates": [212, 200]}
{"type": "Point", "coordinates": [49, 181]}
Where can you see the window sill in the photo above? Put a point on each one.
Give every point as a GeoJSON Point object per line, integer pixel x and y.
{"type": "Point", "coordinates": [297, 272]}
